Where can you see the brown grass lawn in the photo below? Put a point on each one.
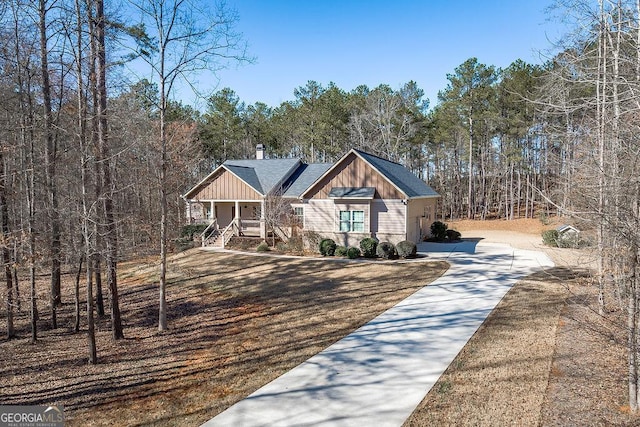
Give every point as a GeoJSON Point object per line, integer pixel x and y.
{"type": "Point", "coordinates": [543, 357]}
{"type": "Point", "coordinates": [236, 323]}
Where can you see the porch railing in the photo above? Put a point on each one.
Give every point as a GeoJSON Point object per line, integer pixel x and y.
{"type": "Point", "coordinates": [250, 226]}
{"type": "Point", "coordinates": [210, 233]}
{"type": "Point", "coordinates": [229, 231]}
{"type": "Point", "coordinates": [282, 233]}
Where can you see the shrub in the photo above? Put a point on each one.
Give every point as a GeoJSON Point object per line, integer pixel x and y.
{"type": "Point", "coordinates": [406, 249]}
{"type": "Point", "coordinates": [453, 235]}
{"type": "Point", "coordinates": [368, 246]}
{"type": "Point", "coordinates": [263, 247]}
{"type": "Point", "coordinates": [550, 237]}
{"type": "Point", "coordinates": [191, 229]}
{"type": "Point", "coordinates": [327, 247]}
{"type": "Point", "coordinates": [341, 251]}
{"type": "Point", "coordinates": [353, 253]}
{"type": "Point", "coordinates": [439, 231]}
{"type": "Point", "coordinates": [386, 250]}
{"type": "Point", "coordinates": [282, 246]}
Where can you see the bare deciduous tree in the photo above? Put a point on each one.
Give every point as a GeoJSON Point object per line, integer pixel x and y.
{"type": "Point", "coordinates": [189, 36]}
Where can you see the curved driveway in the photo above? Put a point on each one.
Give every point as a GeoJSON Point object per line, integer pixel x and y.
{"type": "Point", "coordinates": [378, 374]}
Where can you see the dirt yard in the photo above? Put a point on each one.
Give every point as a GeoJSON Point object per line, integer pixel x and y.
{"type": "Point", "coordinates": [543, 358]}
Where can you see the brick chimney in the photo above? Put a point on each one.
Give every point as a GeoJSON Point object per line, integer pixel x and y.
{"type": "Point", "coordinates": [259, 152]}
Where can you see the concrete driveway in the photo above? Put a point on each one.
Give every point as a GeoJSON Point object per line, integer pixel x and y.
{"type": "Point", "coordinates": [378, 374]}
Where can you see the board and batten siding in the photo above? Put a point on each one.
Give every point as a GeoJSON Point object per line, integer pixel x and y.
{"type": "Point", "coordinates": [227, 186]}
{"type": "Point", "coordinates": [354, 172]}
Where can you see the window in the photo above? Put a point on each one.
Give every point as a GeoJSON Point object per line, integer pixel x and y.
{"type": "Point", "coordinates": [298, 214]}
{"type": "Point", "coordinates": [352, 221]}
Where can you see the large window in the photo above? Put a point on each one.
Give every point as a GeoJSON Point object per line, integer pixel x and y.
{"type": "Point", "coordinates": [352, 221]}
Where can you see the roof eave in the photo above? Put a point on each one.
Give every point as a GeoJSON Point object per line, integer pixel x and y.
{"type": "Point", "coordinates": [187, 196]}
{"type": "Point", "coordinates": [432, 196]}
{"type": "Point", "coordinates": [222, 166]}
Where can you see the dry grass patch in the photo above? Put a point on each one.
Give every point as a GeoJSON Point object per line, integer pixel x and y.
{"type": "Point", "coordinates": [588, 385]}
{"type": "Point", "coordinates": [500, 376]}
{"type": "Point", "coordinates": [236, 323]}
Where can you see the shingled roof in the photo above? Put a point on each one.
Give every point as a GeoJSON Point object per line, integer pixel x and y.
{"type": "Point", "coordinates": [399, 176]}
{"type": "Point", "coordinates": [270, 173]}
{"type": "Point", "coordinates": [304, 177]}
{"type": "Point", "coordinates": [295, 177]}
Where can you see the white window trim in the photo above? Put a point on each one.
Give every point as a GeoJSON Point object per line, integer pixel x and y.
{"type": "Point", "coordinates": [301, 217]}
{"type": "Point", "coordinates": [351, 220]}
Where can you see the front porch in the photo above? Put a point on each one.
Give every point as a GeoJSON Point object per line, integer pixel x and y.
{"type": "Point", "coordinates": [227, 219]}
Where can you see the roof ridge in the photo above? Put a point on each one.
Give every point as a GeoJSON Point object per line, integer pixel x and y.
{"type": "Point", "coordinates": [238, 166]}
{"type": "Point", "coordinates": [376, 156]}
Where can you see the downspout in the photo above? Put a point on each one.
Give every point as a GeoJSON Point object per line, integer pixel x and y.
{"type": "Point", "coordinates": [405, 202]}
{"type": "Point", "coordinates": [263, 221]}
{"type": "Point", "coordinates": [369, 219]}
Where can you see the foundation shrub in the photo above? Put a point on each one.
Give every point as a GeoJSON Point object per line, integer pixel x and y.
{"type": "Point", "coordinates": [327, 247]}
{"type": "Point", "coordinates": [353, 253]}
{"type": "Point", "coordinates": [263, 247]}
{"type": "Point", "coordinates": [341, 251]}
{"type": "Point", "coordinates": [386, 250]}
{"type": "Point", "coordinates": [406, 249]}
{"type": "Point", "coordinates": [368, 246]}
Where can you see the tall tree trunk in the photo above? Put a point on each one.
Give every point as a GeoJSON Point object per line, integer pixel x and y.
{"type": "Point", "coordinates": [76, 324]}
{"type": "Point", "coordinates": [633, 337]}
{"type": "Point", "coordinates": [162, 311]}
{"type": "Point", "coordinates": [470, 170]}
{"type": "Point", "coordinates": [97, 274]}
{"type": "Point", "coordinates": [601, 85]}
{"type": "Point", "coordinates": [27, 137]}
{"type": "Point", "coordinates": [15, 276]}
{"type": "Point", "coordinates": [6, 256]}
{"type": "Point", "coordinates": [50, 165]}
{"type": "Point", "coordinates": [111, 236]}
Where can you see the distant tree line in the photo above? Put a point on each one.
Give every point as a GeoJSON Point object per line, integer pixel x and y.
{"type": "Point", "coordinates": [482, 147]}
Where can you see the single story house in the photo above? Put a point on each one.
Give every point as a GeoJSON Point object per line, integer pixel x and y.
{"type": "Point", "coordinates": [361, 195]}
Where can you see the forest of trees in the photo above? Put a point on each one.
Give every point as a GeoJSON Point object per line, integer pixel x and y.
{"type": "Point", "coordinates": [94, 159]}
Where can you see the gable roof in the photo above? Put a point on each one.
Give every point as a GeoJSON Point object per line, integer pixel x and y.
{"type": "Point", "coordinates": [297, 178]}
{"type": "Point", "coordinates": [246, 174]}
{"type": "Point", "coordinates": [262, 175]}
{"type": "Point", "coordinates": [399, 176]}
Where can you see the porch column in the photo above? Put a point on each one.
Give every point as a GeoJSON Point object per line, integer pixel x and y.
{"type": "Point", "coordinates": [189, 220]}
{"type": "Point", "coordinates": [213, 212]}
{"type": "Point", "coordinates": [263, 221]}
{"type": "Point", "coordinates": [237, 218]}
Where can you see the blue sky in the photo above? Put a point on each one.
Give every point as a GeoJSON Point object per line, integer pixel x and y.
{"type": "Point", "coordinates": [353, 42]}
